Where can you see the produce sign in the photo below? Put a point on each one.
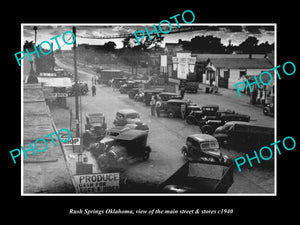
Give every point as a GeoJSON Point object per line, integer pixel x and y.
{"type": "Point", "coordinates": [95, 183]}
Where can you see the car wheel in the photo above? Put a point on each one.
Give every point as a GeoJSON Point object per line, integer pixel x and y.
{"type": "Point", "coordinates": [265, 111]}
{"type": "Point", "coordinates": [207, 129]}
{"type": "Point", "coordinates": [171, 114]}
{"type": "Point", "coordinates": [146, 154]}
{"type": "Point", "coordinates": [184, 152]}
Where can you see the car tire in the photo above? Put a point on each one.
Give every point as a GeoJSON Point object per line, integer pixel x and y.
{"type": "Point", "coordinates": [265, 111]}
{"type": "Point", "coordinates": [184, 152]}
{"type": "Point", "coordinates": [206, 129]}
{"type": "Point", "coordinates": [146, 153]}
{"type": "Point", "coordinates": [171, 114]}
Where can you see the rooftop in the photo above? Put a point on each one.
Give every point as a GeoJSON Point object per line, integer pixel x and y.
{"type": "Point", "coordinates": [241, 63]}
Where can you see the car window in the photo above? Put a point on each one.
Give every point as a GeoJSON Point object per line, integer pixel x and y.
{"type": "Point", "coordinates": [209, 145]}
{"type": "Point", "coordinates": [132, 116]}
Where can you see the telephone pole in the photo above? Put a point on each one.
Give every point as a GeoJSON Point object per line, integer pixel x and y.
{"type": "Point", "coordinates": [76, 85]}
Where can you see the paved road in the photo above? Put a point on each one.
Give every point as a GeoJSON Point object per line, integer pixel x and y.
{"type": "Point", "coordinates": [166, 138]}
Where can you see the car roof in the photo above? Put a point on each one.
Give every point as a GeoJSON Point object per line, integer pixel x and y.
{"type": "Point", "coordinates": [131, 135]}
{"type": "Point", "coordinates": [95, 114]}
{"type": "Point", "coordinates": [154, 91]}
{"type": "Point", "coordinates": [169, 93]}
{"type": "Point", "coordinates": [178, 100]}
{"type": "Point", "coordinates": [214, 106]}
{"type": "Point", "coordinates": [202, 137]}
{"type": "Point", "coordinates": [127, 111]}
{"type": "Point", "coordinates": [239, 122]}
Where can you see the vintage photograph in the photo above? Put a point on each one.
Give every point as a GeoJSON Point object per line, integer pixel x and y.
{"type": "Point", "coordinates": [107, 113]}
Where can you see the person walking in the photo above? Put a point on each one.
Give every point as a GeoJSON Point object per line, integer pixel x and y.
{"type": "Point", "coordinates": [158, 105]}
{"type": "Point", "coordinates": [182, 110]}
{"type": "Point", "coordinates": [93, 90]}
{"type": "Point", "coordinates": [182, 92]}
{"type": "Point", "coordinates": [152, 104]}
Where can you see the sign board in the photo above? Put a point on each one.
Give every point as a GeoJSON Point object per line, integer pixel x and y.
{"type": "Point", "coordinates": [72, 141]}
{"type": "Point", "coordinates": [184, 64]}
{"type": "Point", "coordinates": [98, 182]}
{"type": "Point", "coordinates": [55, 81]}
{"type": "Point", "coordinates": [47, 74]}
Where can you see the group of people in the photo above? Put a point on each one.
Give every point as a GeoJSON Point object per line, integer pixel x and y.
{"type": "Point", "coordinates": [156, 105]}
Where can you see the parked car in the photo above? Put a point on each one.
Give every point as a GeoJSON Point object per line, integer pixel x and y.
{"type": "Point", "coordinates": [128, 86]}
{"type": "Point", "coordinates": [244, 136]}
{"type": "Point", "coordinates": [269, 109]}
{"type": "Point", "coordinates": [190, 86]}
{"type": "Point", "coordinates": [173, 107]}
{"type": "Point", "coordinates": [129, 116]}
{"type": "Point", "coordinates": [82, 89]}
{"type": "Point", "coordinates": [203, 147]}
{"type": "Point", "coordinates": [118, 81]}
{"type": "Point", "coordinates": [148, 95]}
{"type": "Point", "coordinates": [209, 126]}
{"type": "Point", "coordinates": [132, 93]}
{"type": "Point", "coordinates": [196, 116]}
{"type": "Point", "coordinates": [126, 148]}
{"type": "Point", "coordinates": [95, 128]}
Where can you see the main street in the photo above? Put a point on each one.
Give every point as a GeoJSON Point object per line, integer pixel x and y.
{"type": "Point", "coordinates": [166, 136]}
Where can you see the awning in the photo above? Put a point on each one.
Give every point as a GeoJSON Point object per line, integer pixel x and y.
{"type": "Point", "coordinates": [55, 81]}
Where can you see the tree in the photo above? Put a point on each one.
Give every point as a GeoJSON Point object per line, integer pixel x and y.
{"type": "Point", "coordinates": [204, 44]}
{"type": "Point", "coordinates": [28, 45]}
{"type": "Point", "coordinates": [249, 45]}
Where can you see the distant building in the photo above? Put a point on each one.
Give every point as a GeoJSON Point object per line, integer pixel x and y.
{"type": "Point", "coordinates": [172, 48]}
{"type": "Point", "coordinates": [226, 72]}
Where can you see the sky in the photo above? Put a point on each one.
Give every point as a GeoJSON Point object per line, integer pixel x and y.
{"type": "Point", "coordinates": [237, 33]}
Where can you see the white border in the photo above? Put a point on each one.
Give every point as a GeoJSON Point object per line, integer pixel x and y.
{"type": "Point", "coordinates": [151, 24]}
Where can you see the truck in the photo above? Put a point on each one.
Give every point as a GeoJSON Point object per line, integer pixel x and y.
{"type": "Point", "coordinates": [244, 136]}
{"type": "Point", "coordinates": [200, 177]}
{"type": "Point", "coordinates": [105, 76]}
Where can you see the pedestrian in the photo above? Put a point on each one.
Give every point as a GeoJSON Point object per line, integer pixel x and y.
{"type": "Point", "coordinates": [152, 104]}
{"type": "Point", "coordinates": [158, 105]}
{"type": "Point", "coordinates": [93, 90]}
{"type": "Point", "coordinates": [182, 92]}
{"type": "Point", "coordinates": [182, 110]}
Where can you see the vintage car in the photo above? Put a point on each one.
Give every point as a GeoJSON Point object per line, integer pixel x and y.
{"type": "Point", "coordinates": [196, 116]}
{"type": "Point", "coordinates": [148, 95]}
{"type": "Point", "coordinates": [166, 96]}
{"type": "Point", "coordinates": [203, 147]}
{"type": "Point", "coordinates": [118, 81]}
{"type": "Point", "coordinates": [129, 116]}
{"type": "Point", "coordinates": [82, 89]}
{"type": "Point", "coordinates": [173, 107]}
{"type": "Point", "coordinates": [208, 126]}
{"type": "Point", "coordinates": [133, 92]}
{"type": "Point", "coordinates": [200, 177]}
{"type": "Point", "coordinates": [190, 86]}
{"type": "Point", "coordinates": [244, 136]}
{"type": "Point", "coordinates": [269, 109]}
{"type": "Point", "coordinates": [95, 128]}
{"type": "Point", "coordinates": [128, 86]}
{"type": "Point", "coordinates": [128, 147]}
{"type": "Point", "coordinates": [125, 116]}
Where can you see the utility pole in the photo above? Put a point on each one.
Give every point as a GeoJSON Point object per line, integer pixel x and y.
{"type": "Point", "coordinates": [76, 85]}
{"type": "Point", "coordinates": [35, 28]}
